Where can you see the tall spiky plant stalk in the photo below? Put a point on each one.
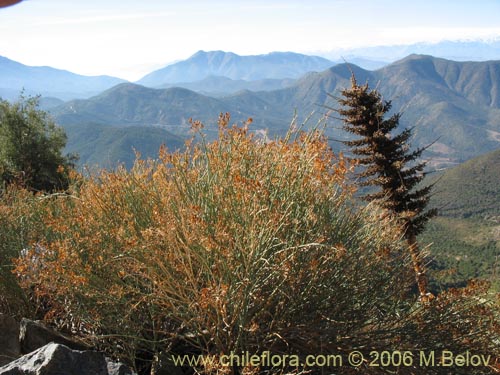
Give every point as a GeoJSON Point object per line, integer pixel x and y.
{"type": "Point", "coordinates": [389, 164]}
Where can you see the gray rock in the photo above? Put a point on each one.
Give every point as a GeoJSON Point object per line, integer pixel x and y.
{"type": "Point", "coordinates": [10, 349]}
{"type": "Point", "coordinates": [118, 368]}
{"type": "Point", "coordinates": [57, 359]}
{"type": "Point", "coordinates": [34, 335]}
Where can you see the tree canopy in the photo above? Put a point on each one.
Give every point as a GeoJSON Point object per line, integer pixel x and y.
{"type": "Point", "coordinates": [31, 147]}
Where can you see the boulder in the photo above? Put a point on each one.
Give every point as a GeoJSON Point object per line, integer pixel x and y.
{"type": "Point", "coordinates": [35, 334]}
{"type": "Point", "coordinates": [57, 359]}
{"type": "Point", "coordinates": [118, 368]}
{"type": "Point", "coordinates": [10, 348]}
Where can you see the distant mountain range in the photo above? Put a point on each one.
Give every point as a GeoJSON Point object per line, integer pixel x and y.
{"type": "Point", "coordinates": [47, 81]}
{"type": "Point", "coordinates": [459, 50]}
{"type": "Point", "coordinates": [219, 73]}
{"type": "Point", "coordinates": [454, 105]}
{"type": "Point", "coordinates": [276, 65]}
{"type": "Point", "coordinates": [203, 72]}
{"type": "Point", "coordinates": [215, 73]}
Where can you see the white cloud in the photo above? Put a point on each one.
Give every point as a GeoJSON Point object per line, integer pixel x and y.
{"type": "Point", "coordinates": [102, 19]}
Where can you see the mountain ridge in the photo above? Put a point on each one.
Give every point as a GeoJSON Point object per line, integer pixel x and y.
{"type": "Point", "coordinates": [276, 65]}
{"type": "Point", "coordinates": [132, 104]}
{"type": "Point", "coordinates": [48, 81]}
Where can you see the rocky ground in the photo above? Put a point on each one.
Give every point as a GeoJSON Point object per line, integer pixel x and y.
{"type": "Point", "coordinates": [30, 348]}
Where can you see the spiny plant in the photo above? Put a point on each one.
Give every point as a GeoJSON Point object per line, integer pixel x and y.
{"type": "Point", "coordinates": [388, 164]}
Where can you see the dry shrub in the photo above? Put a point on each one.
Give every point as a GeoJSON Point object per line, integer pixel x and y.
{"type": "Point", "coordinates": [236, 245]}
{"type": "Point", "coordinates": [21, 225]}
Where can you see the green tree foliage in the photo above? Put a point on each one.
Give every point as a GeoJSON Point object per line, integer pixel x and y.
{"type": "Point", "coordinates": [388, 163]}
{"type": "Point", "coordinates": [31, 147]}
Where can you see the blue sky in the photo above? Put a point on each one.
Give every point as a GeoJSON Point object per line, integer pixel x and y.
{"type": "Point", "coordinates": [128, 38]}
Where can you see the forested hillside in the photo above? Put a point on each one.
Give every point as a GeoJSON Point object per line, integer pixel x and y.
{"type": "Point", "coordinates": [466, 235]}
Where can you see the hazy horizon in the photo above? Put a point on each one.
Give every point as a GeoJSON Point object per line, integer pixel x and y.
{"type": "Point", "coordinates": [129, 39]}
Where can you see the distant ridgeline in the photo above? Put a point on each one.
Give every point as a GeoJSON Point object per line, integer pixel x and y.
{"type": "Point", "coordinates": [455, 106]}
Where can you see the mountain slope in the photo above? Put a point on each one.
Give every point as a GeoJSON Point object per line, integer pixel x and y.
{"type": "Point", "coordinates": [462, 128]}
{"type": "Point", "coordinates": [479, 82]}
{"type": "Point", "coordinates": [48, 81]}
{"type": "Point", "coordinates": [203, 64]}
{"type": "Point", "coordinates": [466, 235]}
{"type": "Point", "coordinates": [107, 146]}
{"type": "Point", "coordinates": [471, 189]}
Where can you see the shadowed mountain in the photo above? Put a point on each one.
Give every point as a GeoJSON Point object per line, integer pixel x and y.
{"type": "Point", "coordinates": [47, 81]}
{"type": "Point", "coordinates": [275, 65]}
